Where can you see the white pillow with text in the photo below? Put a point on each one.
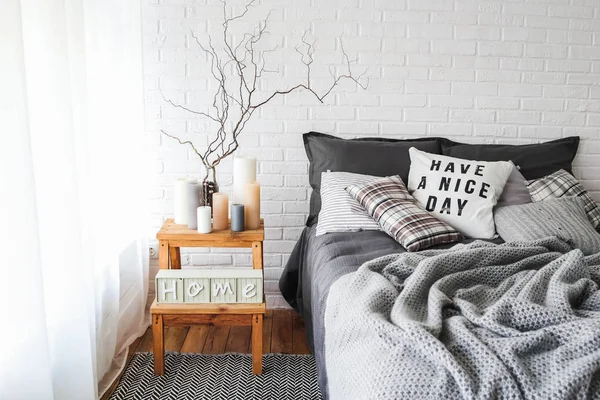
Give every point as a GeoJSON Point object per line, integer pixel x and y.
{"type": "Point", "coordinates": [460, 192]}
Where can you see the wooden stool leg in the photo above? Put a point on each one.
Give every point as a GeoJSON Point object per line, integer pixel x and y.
{"type": "Point", "coordinates": [257, 328]}
{"type": "Point", "coordinates": [257, 255]}
{"type": "Point", "coordinates": [159, 344]}
{"type": "Point", "coordinates": [175, 256]}
{"type": "Point", "coordinates": [163, 254]}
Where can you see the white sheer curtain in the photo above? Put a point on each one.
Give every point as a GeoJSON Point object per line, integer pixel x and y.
{"type": "Point", "coordinates": [74, 268]}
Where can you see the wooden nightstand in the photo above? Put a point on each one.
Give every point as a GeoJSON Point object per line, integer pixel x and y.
{"type": "Point", "coordinates": [171, 238]}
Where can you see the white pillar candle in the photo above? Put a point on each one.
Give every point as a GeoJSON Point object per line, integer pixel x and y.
{"type": "Point", "coordinates": [180, 201]}
{"type": "Point", "coordinates": [204, 219]}
{"type": "Point", "coordinates": [244, 171]}
{"type": "Point", "coordinates": [193, 189]}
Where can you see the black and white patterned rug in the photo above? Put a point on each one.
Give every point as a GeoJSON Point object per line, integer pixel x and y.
{"type": "Point", "coordinates": [221, 376]}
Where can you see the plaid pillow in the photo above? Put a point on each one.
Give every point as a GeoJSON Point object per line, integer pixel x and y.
{"type": "Point", "coordinates": [387, 200]}
{"type": "Point", "coordinates": [561, 184]}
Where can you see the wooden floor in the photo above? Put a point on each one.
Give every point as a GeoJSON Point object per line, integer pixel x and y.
{"type": "Point", "coordinates": [283, 332]}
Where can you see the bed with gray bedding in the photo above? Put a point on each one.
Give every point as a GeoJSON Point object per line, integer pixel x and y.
{"type": "Point", "coordinates": [318, 262]}
{"type": "Point", "coordinates": [374, 319]}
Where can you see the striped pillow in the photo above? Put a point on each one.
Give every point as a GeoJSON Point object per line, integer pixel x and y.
{"type": "Point", "coordinates": [563, 184]}
{"type": "Point", "coordinates": [387, 200]}
{"type": "Point", "coordinates": [340, 212]}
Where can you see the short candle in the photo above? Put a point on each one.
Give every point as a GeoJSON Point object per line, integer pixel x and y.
{"type": "Point", "coordinates": [204, 225]}
{"type": "Point", "coordinates": [237, 217]}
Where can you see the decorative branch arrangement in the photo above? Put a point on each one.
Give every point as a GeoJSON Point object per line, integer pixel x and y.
{"type": "Point", "coordinates": [235, 100]}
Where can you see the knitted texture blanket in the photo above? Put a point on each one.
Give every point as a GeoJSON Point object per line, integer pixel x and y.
{"type": "Point", "coordinates": [480, 321]}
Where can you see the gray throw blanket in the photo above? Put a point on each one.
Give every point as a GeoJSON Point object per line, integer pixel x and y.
{"type": "Point", "coordinates": [480, 321]}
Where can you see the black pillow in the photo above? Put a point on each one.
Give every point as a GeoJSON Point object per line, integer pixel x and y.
{"type": "Point", "coordinates": [369, 156]}
{"type": "Point", "coordinates": [534, 160]}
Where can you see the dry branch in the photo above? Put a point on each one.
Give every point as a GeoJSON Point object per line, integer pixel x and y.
{"type": "Point", "coordinates": [249, 65]}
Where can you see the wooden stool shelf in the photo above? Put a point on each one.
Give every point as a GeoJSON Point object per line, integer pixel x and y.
{"type": "Point", "coordinates": [171, 238]}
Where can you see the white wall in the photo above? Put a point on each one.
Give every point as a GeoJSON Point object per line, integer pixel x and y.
{"type": "Point", "coordinates": [477, 71]}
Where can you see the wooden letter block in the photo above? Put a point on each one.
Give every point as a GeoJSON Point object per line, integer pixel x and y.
{"type": "Point", "coordinates": [249, 290]}
{"type": "Point", "coordinates": [196, 290]}
{"type": "Point", "coordinates": [198, 286]}
{"type": "Point", "coordinates": [169, 290]}
{"type": "Point", "coordinates": [222, 290]}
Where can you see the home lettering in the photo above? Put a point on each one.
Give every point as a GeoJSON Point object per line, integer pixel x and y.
{"type": "Point", "coordinates": [172, 290]}
{"type": "Point", "coordinates": [250, 290]}
{"type": "Point", "coordinates": [221, 287]}
{"type": "Point", "coordinates": [194, 287]}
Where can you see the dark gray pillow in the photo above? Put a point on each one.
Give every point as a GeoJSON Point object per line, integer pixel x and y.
{"type": "Point", "coordinates": [515, 191]}
{"type": "Point", "coordinates": [534, 160]}
{"type": "Point", "coordinates": [564, 218]}
{"type": "Point", "coordinates": [367, 156]}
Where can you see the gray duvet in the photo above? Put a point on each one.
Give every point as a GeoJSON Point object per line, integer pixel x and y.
{"type": "Point", "coordinates": [479, 321]}
{"type": "Point", "coordinates": [317, 263]}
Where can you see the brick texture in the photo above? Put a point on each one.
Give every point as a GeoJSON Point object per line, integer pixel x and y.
{"type": "Point", "coordinates": [478, 71]}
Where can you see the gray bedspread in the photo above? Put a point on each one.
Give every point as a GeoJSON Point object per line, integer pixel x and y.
{"type": "Point", "coordinates": [315, 264]}
{"type": "Point", "coordinates": [479, 321]}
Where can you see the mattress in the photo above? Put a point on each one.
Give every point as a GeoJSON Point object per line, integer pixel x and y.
{"type": "Point", "coordinates": [315, 264]}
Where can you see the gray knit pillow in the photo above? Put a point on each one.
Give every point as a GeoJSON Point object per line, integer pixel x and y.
{"type": "Point", "coordinates": [561, 184]}
{"type": "Point", "coordinates": [564, 218]}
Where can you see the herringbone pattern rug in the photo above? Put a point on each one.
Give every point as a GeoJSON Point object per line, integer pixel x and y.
{"type": "Point", "coordinates": [222, 376]}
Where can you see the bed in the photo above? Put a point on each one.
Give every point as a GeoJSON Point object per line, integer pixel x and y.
{"type": "Point", "coordinates": [325, 277]}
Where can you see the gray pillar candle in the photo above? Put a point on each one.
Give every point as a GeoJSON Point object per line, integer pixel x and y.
{"type": "Point", "coordinates": [193, 196]}
{"type": "Point", "coordinates": [237, 217]}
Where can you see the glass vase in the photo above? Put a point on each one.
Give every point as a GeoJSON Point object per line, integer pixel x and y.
{"type": "Point", "coordinates": [209, 186]}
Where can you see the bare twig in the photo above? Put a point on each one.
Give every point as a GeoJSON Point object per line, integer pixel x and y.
{"type": "Point", "coordinates": [234, 100]}
{"type": "Point", "coordinates": [188, 109]}
{"type": "Point", "coordinates": [185, 142]}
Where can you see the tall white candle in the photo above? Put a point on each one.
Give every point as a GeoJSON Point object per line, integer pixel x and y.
{"type": "Point", "coordinates": [180, 201]}
{"type": "Point", "coordinates": [203, 214]}
{"type": "Point", "coordinates": [193, 189]}
{"type": "Point", "coordinates": [244, 171]}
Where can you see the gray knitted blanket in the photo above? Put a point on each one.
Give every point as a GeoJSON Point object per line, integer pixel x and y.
{"type": "Point", "coordinates": [478, 321]}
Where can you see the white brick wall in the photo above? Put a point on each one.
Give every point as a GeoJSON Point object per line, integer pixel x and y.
{"type": "Point", "coordinates": [516, 71]}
